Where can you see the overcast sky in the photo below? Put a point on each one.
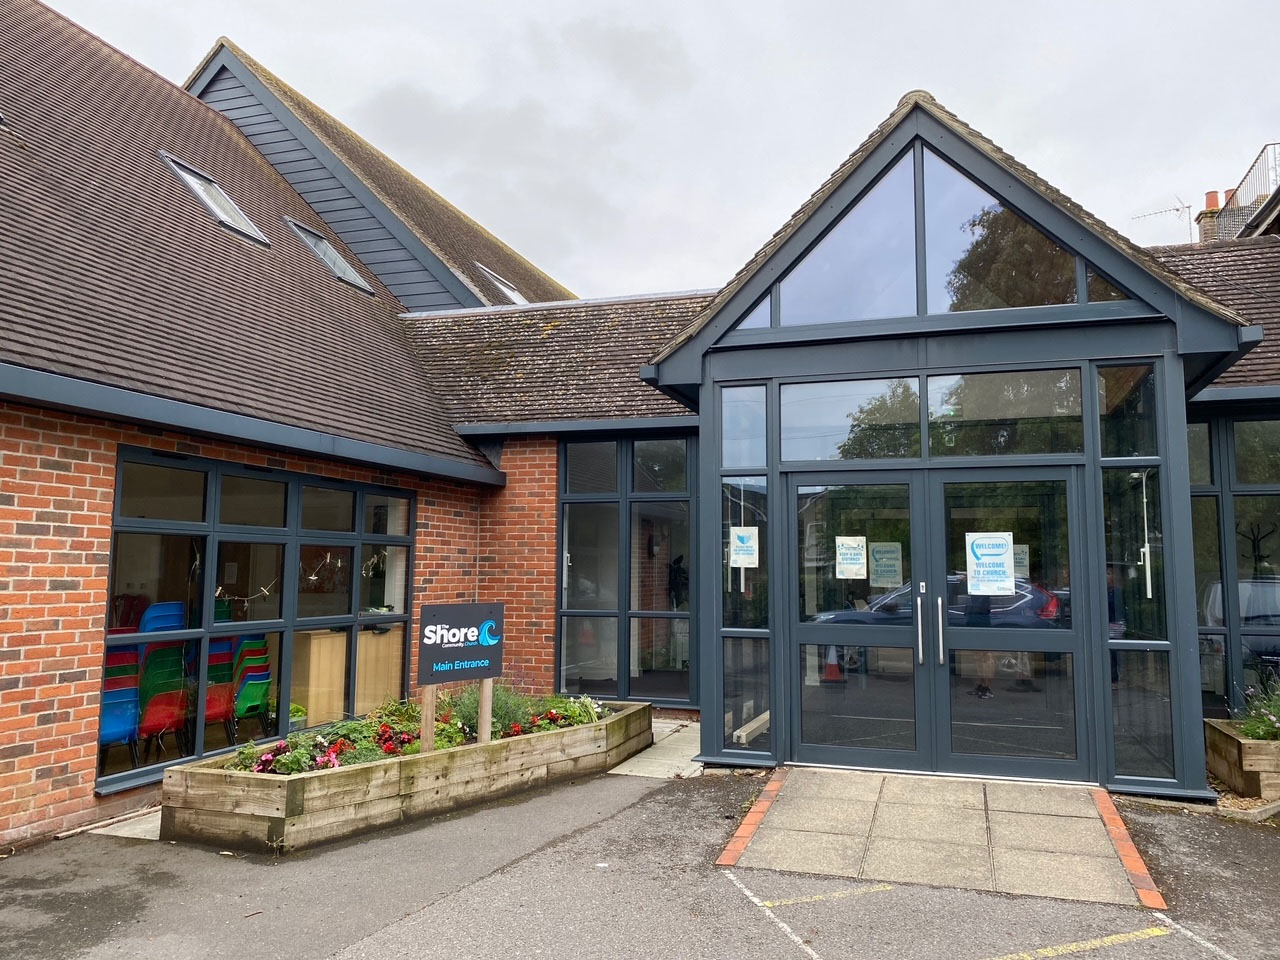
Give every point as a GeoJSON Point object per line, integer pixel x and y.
{"type": "Point", "coordinates": [629, 147]}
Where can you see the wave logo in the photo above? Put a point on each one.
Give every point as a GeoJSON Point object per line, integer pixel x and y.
{"type": "Point", "coordinates": [744, 539]}
{"type": "Point", "coordinates": [487, 637]}
{"type": "Point", "coordinates": [881, 554]}
{"type": "Point", "coordinates": [992, 545]}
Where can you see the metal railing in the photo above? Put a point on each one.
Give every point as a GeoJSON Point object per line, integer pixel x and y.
{"type": "Point", "coordinates": [1254, 190]}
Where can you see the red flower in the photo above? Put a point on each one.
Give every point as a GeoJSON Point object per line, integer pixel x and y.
{"type": "Point", "coordinates": [384, 730]}
{"type": "Point", "coordinates": [516, 729]}
{"type": "Point", "coordinates": [388, 747]}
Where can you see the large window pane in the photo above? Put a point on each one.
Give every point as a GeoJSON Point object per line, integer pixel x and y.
{"type": "Point", "coordinates": [324, 508]}
{"type": "Point", "coordinates": [1198, 451]}
{"type": "Point", "coordinates": [1143, 713]}
{"type": "Point", "coordinates": [1013, 704]}
{"type": "Point", "coordinates": [757, 319]}
{"type": "Point", "coordinates": [744, 521]}
{"type": "Point", "coordinates": [858, 697]}
{"type": "Point", "coordinates": [161, 493]}
{"type": "Point", "coordinates": [851, 420]}
{"type": "Point", "coordinates": [1257, 451]}
{"type": "Point", "coordinates": [250, 578]}
{"type": "Point", "coordinates": [1257, 550]}
{"type": "Point", "coordinates": [1208, 560]}
{"type": "Point", "coordinates": [875, 520]}
{"type": "Point", "coordinates": [591, 556]}
{"type": "Point", "coordinates": [660, 556]}
{"type": "Point", "coordinates": [157, 582]}
{"type": "Point", "coordinates": [251, 502]}
{"type": "Point", "coordinates": [1135, 553]}
{"type": "Point", "coordinates": [742, 427]}
{"type": "Point", "coordinates": [660, 466]}
{"type": "Point", "coordinates": [1214, 691]}
{"type": "Point", "coordinates": [148, 704]}
{"type": "Point", "coordinates": [379, 665]}
{"type": "Point", "coordinates": [241, 703]}
{"type": "Point", "coordinates": [1127, 411]}
{"type": "Point", "coordinates": [589, 655]}
{"type": "Point", "coordinates": [981, 255]}
{"type": "Point", "coordinates": [865, 267]}
{"type": "Point", "coordinates": [746, 693]}
{"type": "Point", "coordinates": [1035, 512]}
{"type": "Point", "coordinates": [1261, 659]}
{"type": "Point", "coordinates": [981, 414]}
{"type": "Point", "coordinates": [384, 515]}
{"type": "Point", "coordinates": [591, 467]}
{"type": "Point", "coordinates": [320, 674]}
{"type": "Point", "coordinates": [660, 658]}
{"type": "Point", "coordinates": [1100, 289]}
{"type": "Point", "coordinates": [324, 581]}
{"type": "Point", "coordinates": [384, 573]}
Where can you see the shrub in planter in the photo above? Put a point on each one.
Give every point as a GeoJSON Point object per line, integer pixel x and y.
{"type": "Point", "coordinates": [1244, 752]}
{"type": "Point", "coordinates": [1260, 717]}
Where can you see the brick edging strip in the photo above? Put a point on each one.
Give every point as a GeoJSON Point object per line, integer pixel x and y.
{"type": "Point", "coordinates": [1134, 865]}
{"type": "Point", "coordinates": [747, 829]}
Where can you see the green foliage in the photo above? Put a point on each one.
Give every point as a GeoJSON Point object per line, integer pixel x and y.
{"type": "Point", "coordinates": [1260, 717]}
{"type": "Point", "coordinates": [509, 708]}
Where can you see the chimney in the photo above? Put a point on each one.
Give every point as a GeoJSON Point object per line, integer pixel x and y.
{"type": "Point", "coordinates": [1226, 199]}
{"type": "Point", "coordinates": [1207, 219]}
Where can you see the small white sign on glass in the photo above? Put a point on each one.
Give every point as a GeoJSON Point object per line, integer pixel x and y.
{"type": "Point", "coordinates": [1022, 561]}
{"type": "Point", "coordinates": [886, 564]}
{"type": "Point", "coordinates": [744, 546]}
{"type": "Point", "coordinates": [989, 564]}
{"type": "Point", "coordinates": [851, 558]}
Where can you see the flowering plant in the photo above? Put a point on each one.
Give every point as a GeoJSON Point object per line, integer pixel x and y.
{"type": "Point", "coordinates": [1259, 719]}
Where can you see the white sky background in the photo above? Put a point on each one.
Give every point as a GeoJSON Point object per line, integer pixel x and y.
{"type": "Point", "coordinates": [630, 147]}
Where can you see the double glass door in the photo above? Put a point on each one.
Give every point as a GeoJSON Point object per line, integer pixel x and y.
{"type": "Point", "coordinates": [932, 625]}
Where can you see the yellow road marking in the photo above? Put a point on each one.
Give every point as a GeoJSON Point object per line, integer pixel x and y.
{"type": "Point", "coordinates": [1084, 946]}
{"type": "Point", "coordinates": [835, 895]}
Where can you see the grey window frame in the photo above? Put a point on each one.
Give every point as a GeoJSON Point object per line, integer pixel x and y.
{"type": "Point", "coordinates": [182, 169]}
{"type": "Point", "coordinates": [307, 235]}
{"type": "Point", "coordinates": [624, 497]}
{"type": "Point", "coordinates": [292, 537]}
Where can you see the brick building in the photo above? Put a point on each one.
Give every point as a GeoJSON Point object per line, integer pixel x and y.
{"type": "Point", "coordinates": [263, 394]}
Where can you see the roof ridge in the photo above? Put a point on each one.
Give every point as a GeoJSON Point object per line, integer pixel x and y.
{"type": "Point", "coordinates": [1229, 243]}
{"type": "Point", "coordinates": [286, 92]}
{"type": "Point", "coordinates": [505, 308]}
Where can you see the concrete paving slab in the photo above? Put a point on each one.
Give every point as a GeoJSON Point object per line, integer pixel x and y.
{"type": "Point", "coordinates": [1041, 798]}
{"type": "Point", "coordinates": [799, 851]}
{"type": "Point", "coordinates": [913, 821]}
{"type": "Point", "coordinates": [821, 814]}
{"type": "Point", "coordinates": [841, 784]}
{"type": "Point", "coordinates": [921, 861]}
{"type": "Point", "coordinates": [940, 790]}
{"type": "Point", "coordinates": [670, 757]}
{"type": "Point", "coordinates": [1063, 876]}
{"type": "Point", "coordinates": [1037, 831]}
{"type": "Point", "coordinates": [145, 827]}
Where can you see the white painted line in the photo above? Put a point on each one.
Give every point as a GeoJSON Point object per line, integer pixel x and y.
{"type": "Point", "coordinates": [1194, 937]}
{"type": "Point", "coordinates": [791, 934]}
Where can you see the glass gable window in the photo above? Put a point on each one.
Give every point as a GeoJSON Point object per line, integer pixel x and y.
{"type": "Point", "coordinates": [980, 254]}
{"type": "Point", "coordinates": [851, 419]}
{"type": "Point", "coordinates": [865, 267]}
{"type": "Point", "coordinates": [758, 318]}
{"type": "Point", "coordinates": [330, 257]}
{"type": "Point", "coordinates": [1029, 411]}
{"type": "Point", "coordinates": [216, 199]}
{"type": "Point", "coordinates": [196, 657]}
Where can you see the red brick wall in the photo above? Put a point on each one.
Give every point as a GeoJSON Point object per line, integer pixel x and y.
{"type": "Point", "coordinates": [518, 560]}
{"type": "Point", "coordinates": [57, 479]}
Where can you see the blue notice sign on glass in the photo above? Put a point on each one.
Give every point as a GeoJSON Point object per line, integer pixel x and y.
{"type": "Point", "coordinates": [989, 564]}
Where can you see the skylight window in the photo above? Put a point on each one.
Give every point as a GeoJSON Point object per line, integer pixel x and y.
{"type": "Point", "coordinates": [330, 256]}
{"type": "Point", "coordinates": [502, 284]}
{"type": "Point", "coordinates": [216, 199]}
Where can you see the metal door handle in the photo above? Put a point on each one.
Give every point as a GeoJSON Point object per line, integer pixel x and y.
{"type": "Point", "coordinates": [941, 662]}
{"type": "Point", "coordinates": [919, 633]}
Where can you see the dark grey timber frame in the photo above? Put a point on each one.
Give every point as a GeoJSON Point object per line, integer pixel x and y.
{"type": "Point", "coordinates": [624, 497]}
{"type": "Point", "coordinates": [293, 538]}
{"type": "Point", "coordinates": [1186, 344]}
{"type": "Point", "coordinates": [1220, 409]}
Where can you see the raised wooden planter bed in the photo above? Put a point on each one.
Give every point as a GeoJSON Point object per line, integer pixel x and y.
{"type": "Point", "coordinates": [204, 802]}
{"type": "Point", "coordinates": [1251, 768]}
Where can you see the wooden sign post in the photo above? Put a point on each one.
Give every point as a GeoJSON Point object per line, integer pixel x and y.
{"type": "Point", "coordinates": [485, 720]}
{"type": "Point", "coordinates": [428, 734]}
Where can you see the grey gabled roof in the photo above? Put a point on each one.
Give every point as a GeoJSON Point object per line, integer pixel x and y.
{"type": "Point", "coordinates": [458, 241]}
{"type": "Point", "coordinates": [923, 100]}
{"type": "Point", "coordinates": [115, 274]}
{"type": "Point", "coordinates": [576, 360]}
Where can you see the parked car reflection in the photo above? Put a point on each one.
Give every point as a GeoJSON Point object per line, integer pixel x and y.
{"type": "Point", "coordinates": [1030, 607]}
